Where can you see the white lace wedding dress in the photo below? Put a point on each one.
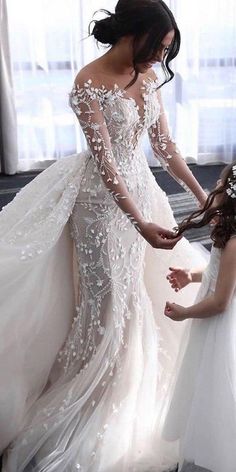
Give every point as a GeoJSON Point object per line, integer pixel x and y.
{"type": "Point", "coordinates": [90, 397]}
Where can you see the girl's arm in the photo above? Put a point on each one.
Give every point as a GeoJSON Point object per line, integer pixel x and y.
{"type": "Point", "coordinates": [180, 278]}
{"type": "Point", "coordinates": [196, 274]}
{"type": "Point", "coordinates": [220, 299]}
{"type": "Point", "coordinates": [166, 151]}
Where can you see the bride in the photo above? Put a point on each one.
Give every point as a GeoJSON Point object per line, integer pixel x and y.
{"type": "Point", "coordinates": [86, 354]}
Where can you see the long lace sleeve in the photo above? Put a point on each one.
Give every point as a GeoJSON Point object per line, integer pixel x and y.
{"type": "Point", "coordinates": [87, 103]}
{"type": "Point", "coordinates": [166, 151]}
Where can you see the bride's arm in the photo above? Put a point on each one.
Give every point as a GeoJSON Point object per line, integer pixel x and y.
{"type": "Point", "coordinates": [166, 151]}
{"type": "Point", "coordinates": [87, 106]}
{"type": "Point", "coordinates": [85, 99]}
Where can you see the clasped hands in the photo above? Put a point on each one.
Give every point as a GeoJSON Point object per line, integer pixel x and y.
{"type": "Point", "coordinates": [158, 237]}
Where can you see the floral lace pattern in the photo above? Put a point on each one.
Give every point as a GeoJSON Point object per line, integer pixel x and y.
{"type": "Point", "coordinates": [114, 357]}
{"type": "Point", "coordinates": [107, 267]}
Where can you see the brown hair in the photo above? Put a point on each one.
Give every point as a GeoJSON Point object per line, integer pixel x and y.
{"type": "Point", "coordinates": [151, 19]}
{"type": "Point", "coordinates": [224, 212]}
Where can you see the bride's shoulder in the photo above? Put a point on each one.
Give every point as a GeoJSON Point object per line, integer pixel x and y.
{"type": "Point", "coordinates": [151, 75]}
{"type": "Point", "coordinates": [151, 81]}
{"type": "Point", "coordinates": [88, 74]}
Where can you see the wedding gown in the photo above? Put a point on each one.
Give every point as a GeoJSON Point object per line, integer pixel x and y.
{"type": "Point", "coordinates": [203, 418]}
{"type": "Point", "coordinates": [86, 354]}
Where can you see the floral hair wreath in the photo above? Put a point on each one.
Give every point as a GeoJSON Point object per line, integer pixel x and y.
{"type": "Point", "coordinates": [231, 190]}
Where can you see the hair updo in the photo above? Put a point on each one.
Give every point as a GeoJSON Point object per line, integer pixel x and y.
{"type": "Point", "coordinates": [105, 30]}
{"type": "Point", "coordinates": [149, 19]}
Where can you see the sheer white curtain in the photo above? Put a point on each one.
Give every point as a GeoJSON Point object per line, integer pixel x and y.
{"type": "Point", "coordinates": [202, 97]}
{"type": "Point", "coordinates": [48, 48]}
{"type": "Point", "coordinates": [8, 131]}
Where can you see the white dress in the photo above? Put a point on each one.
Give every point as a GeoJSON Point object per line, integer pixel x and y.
{"type": "Point", "coordinates": [202, 412]}
{"type": "Point", "coordinates": [89, 397]}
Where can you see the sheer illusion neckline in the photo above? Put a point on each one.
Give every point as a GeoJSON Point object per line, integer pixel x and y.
{"type": "Point", "coordinates": [148, 87]}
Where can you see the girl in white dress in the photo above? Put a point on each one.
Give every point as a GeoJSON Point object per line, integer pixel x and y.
{"type": "Point", "coordinates": [202, 413]}
{"type": "Point", "coordinates": [84, 378]}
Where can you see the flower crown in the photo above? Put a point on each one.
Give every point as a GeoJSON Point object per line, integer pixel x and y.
{"type": "Point", "coordinates": [231, 190]}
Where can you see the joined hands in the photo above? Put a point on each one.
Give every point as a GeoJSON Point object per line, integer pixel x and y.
{"type": "Point", "coordinates": [158, 237]}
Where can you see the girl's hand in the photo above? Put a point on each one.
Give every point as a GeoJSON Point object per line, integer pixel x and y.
{"type": "Point", "coordinates": [158, 237]}
{"type": "Point", "coordinates": [175, 312]}
{"type": "Point", "coordinates": [179, 278]}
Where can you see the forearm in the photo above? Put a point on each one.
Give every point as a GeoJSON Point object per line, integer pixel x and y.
{"type": "Point", "coordinates": [118, 189]}
{"type": "Point", "coordinates": [178, 168]}
{"type": "Point", "coordinates": [196, 275]}
{"type": "Point", "coordinates": [205, 309]}
{"type": "Point", "coordinates": [166, 151]}
{"type": "Point", "coordinates": [155, 235]}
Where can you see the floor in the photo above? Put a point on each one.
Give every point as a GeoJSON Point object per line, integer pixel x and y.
{"type": "Point", "coordinates": [206, 175]}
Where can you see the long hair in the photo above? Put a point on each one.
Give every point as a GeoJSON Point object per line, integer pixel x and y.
{"type": "Point", "coordinates": [220, 206]}
{"type": "Point", "coordinates": [151, 20]}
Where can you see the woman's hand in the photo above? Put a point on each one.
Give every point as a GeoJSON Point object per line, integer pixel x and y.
{"type": "Point", "coordinates": [179, 278]}
{"type": "Point", "coordinates": [158, 237]}
{"type": "Point", "coordinates": [175, 312]}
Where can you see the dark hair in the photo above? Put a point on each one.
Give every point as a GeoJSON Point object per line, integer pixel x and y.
{"type": "Point", "coordinates": [224, 212]}
{"type": "Point", "coordinates": [151, 19]}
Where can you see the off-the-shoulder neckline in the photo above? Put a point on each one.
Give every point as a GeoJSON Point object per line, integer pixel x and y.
{"type": "Point", "coordinates": [149, 85]}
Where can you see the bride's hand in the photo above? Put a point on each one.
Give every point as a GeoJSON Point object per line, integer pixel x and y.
{"type": "Point", "coordinates": [158, 237]}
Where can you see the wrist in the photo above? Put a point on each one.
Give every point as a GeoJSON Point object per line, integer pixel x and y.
{"type": "Point", "coordinates": [202, 198]}
{"type": "Point", "coordinates": [190, 276]}
{"type": "Point", "coordinates": [141, 225]}
{"type": "Point", "coordinates": [187, 313]}
{"type": "Point", "coordinates": [138, 223]}
{"type": "Point", "coordinates": [196, 276]}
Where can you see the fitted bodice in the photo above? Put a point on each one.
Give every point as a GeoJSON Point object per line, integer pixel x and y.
{"type": "Point", "coordinates": [114, 124]}
{"type": "Point", "coordinates": [126, 122]}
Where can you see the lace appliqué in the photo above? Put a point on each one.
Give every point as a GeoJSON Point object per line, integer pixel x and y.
{"type": "Point", "coordinates": [34, 224]}
{"type": "Point", "coordinates": [101, 113]}
{"type": "Point", "coordinates": [165, 148]}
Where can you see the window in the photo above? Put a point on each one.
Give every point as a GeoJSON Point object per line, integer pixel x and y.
{"type": "Point", "coordinates": [48, 48]}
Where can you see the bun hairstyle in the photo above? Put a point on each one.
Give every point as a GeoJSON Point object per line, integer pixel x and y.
{"type": "Point", "coordinates": [151, 19]}
{"type": "Point", "coordinates": [105, 30]}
